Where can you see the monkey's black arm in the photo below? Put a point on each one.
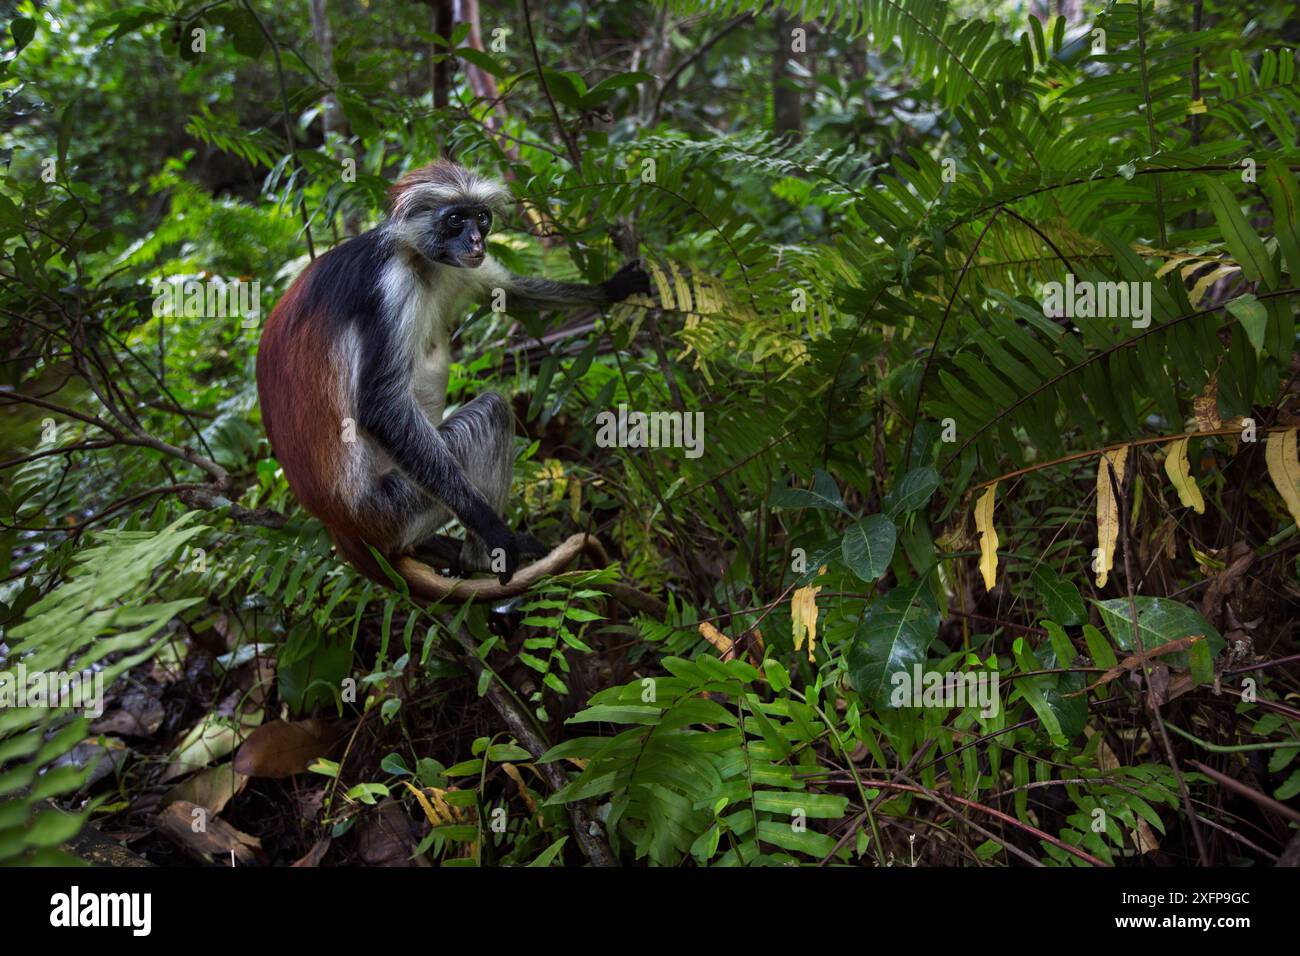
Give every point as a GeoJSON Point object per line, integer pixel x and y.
{"type": "Point", "coordinates": [530, 293]}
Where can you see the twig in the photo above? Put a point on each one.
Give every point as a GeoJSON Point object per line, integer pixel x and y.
{"type": "Point", "coordinates": [586, 830]}
{"type": "Point", "coordinates": [700, 50]}
{"type": "Point", "coordinates": [1250, 793]}
{"type": "Point", "coordinates": [934, 346]}
{"type": "Point", "coordinates": [1152, 704]}
{"type": "Point", "coordinates": [572, 147]}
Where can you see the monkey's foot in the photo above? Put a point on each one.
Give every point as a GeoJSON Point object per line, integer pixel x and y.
{"type": "Point", "coordinates": [444, 551]}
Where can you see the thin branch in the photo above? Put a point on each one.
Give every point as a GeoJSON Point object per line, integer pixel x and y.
{"type": "Point", "coordinates": [700, 51]}
{"type": "Point", "coordinates": [1153, 705]}
{"type": "Point", "coordinates": [572, 147]}
{"type": "Point", "coordinates": [934, 346]}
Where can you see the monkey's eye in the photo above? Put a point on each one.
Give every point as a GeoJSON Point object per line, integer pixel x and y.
{"type": "Point", "coordinates": [455, 220]}
{"type": "Point", "coordinates": [484, 220]}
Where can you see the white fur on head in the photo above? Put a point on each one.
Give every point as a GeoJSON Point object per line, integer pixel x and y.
{"type": "Point", "coordinates": [441, 183]}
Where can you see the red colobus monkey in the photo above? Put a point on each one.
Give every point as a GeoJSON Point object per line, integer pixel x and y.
{"type": "Point", "coordinates": [353, 367]}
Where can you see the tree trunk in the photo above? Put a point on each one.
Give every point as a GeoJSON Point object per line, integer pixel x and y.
{"type": "Point", "coordinates": [787, 111]}
{"type": "Point", "coordinates": [332, 118]}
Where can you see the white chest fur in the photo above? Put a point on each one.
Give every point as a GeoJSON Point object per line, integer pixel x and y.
{"type": "Point", "coordinates": [426, 310]}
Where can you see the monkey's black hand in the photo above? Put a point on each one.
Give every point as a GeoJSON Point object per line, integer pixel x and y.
{"type": "Point", "coordinates": [629, 280]}
{"type": "Point", "coordinates": [505, 550]}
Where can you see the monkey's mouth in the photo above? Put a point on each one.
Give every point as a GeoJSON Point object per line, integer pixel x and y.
{"type": "Point", "coordinates": [472, 261]}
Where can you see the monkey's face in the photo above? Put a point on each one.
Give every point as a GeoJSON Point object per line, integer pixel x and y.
{"type": "Point", "coordinates": [459, 235]}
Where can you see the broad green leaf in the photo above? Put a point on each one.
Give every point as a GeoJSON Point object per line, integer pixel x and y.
{"type": "Point", "coordinates": [1284, 195]}
{"type": "Point", "coordinates": [549, 855]}
{"type": "Point", "coordinates": [1201, 662]}
{"type": "Point", "coordinates": [913, 491]}
{"type": "Point", "coordinates": [1101, 652]}
{"type": "Point", "coordinates": [891, 638]}
{"type": "Point", "coordinates": [1034, 689]}
{"type": "Point", "coordinates": [1254, 320]}
{"type": "Point", "coordinates": [1061, 600]}
{"type": "Point", "coordinates": [1160, 620]}
{"type": "Point", "coordinates": [1245, 245]}
{"type": "Point", "coordinates": [868, 547]}
{"type": "Point", "coordinates": [22, 29]}
{"type": "Point", "coordinates": [823, 494]}
{"type": "Point", "coordinates": [484, 61]}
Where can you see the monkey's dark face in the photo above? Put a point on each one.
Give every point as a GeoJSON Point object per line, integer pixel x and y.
{"type": "Point", "coordinates": [459, 235]}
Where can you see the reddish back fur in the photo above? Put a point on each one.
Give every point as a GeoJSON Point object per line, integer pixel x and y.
{"type": "Point", "coordinates": [303, 408]}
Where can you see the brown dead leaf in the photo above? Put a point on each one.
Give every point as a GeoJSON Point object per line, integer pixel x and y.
{"type": "Point", "coordinates": [1133, 661]}
{"type": "Point", "coordinates": [387, 837]}
{"type": "Point", "coordinates": [205, 837]}
{"type": "Point", "coordinates": [1206, 406]}
{"type": "Point", "coordinates": [313, 856]}
{"type": "Point", "coordinates": [1106, 759]}
{"type": "Point", "coordinates": [1108, 509]}
{"type": "Point", "coordinates": [138, 715]}
{"type": "Point", "coordinates": [109, 752]}
{"type": "Point", "coordinates": [1169, 687]}
{"type": "Point", "coordinates": [803, 615]}
{"type": "Point", "coordinates": [436, 808]}
{"type": "Point", "coordinates": [1144, 838]}
{"type": "Point", "coordinates": [1223, 582]}
{"type": "Point", "coordinates": [209, 740]}
{"type": "Point", "coordinates": [211, 789]}
{"type": "Point", "coordinates": [283, 748]}
{"type": "Point", "coordinates": [310, 802]}
{"type": "Point", "coordinates": [1159, 677]}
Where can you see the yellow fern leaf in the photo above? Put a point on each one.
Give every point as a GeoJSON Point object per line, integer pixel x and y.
{"type": "Point", "coordinates": [1179, 471]}
{"type": "Point", "coordinates": [1279, 455]}
{"type": "Point", "coordinates": [1108, 511]}
{"type": "Point", "coordinates": [988, 537]}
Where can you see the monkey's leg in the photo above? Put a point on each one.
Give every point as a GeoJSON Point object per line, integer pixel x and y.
{"type": "Point", "coordinates": [442, 551]}
{"type": "Point", "coordinates": [481, 436]}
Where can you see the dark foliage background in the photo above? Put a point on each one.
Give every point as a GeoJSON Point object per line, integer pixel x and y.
{"type": "Point", "coordinates": [854, 213]}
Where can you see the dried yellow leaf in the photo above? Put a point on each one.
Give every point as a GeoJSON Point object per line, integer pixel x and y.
{"type": "Point", "coordinates": [666, 298]}
{"type": "Point", "coordinates": [575, 499]}
{"type": "Point", "coordinates": [725, 645]}
{"type": "Point", "coordinates": [988, 537]}
{"type": "Point", "coordinates": [1279, 455]}
{"type": "Point", "coordinates": [803, 615]}
{"type": "Point", "coordinates": [434, 806]}
{"type": "Point", "coordinates": [683, 288]}
{"type": "Point", "coordinates": [513, 773]}
{"type": "Point", "coordinates": [1202, 285]}
{"type": "Point", "coordinates": [1206, 406]}
{"type": "Point", "coordinates": [1108, 511]}
{"type": "Point", "coordinates": [1179, 470]}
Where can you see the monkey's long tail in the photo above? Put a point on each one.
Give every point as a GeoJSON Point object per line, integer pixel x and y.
{"type": "Point", "coordinates": [428, 584]}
